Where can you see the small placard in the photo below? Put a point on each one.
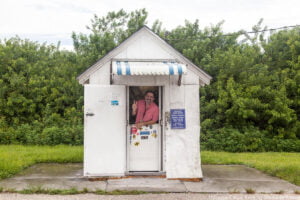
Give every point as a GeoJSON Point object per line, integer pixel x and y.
{"type": "Point", "coordinates": [144, 132]}
{"type": "Point", "coordinates": [177, 118]}
{"type": "Point", "coordinates": [114, 102]}
{"type": "Point", "coordinates": [144, 137]}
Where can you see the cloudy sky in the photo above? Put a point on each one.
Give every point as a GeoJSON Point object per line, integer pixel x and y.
{"type": "Point", "coordinates": [54, 20]}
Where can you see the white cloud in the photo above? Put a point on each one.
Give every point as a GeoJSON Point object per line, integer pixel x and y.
{"type": "Point", "coordinates": [53, 20]}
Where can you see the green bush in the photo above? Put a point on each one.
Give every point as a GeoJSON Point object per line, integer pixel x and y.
{"type": "Point", "coordinates": [33, 134]}
{"type": "Point", "coordinates": [36, 134]}
{"type": "Point", "coordinates": [6, 137]}
{"type": "Point", "coordinates": [248, 140]}
{"type": "Point", "coordinates": [51, 135]}
{"type": "Point", "coordinates": [58, 135]}
{"type": "Point", "coordinates": [75, 135]}
{"type": "Point", "coordinates": [251, 104]}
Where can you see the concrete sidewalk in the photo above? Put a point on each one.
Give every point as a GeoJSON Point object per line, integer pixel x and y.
{"type": "Point", "coordinates": [217, 179]}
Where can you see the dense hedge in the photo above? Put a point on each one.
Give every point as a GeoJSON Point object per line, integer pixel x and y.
{"type": "Point", "coordinates": [40, 100]}
{"type": "Point", "coordinates": [249, 140]}
{"type": "Point", "coordinates": [252, 103]}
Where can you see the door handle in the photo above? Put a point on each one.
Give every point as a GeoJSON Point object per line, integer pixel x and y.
{"type": "Point", "coordinates": [167, 118]}
{"type": "Point", "coordinates": [161, 122]}
{"type": "Point", "coordinates": [89, 114]}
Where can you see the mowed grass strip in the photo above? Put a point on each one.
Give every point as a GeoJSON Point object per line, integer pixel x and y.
{"type": "Point", "coordinates": [15, 158]}
{"type": "Point", "coordinates": [282, 165]}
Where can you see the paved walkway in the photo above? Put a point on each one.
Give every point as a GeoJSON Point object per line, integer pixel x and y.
{"type": "Point", "coordinates": [168, 196]}
{"type": "Point", "coordinates": [217, 179]}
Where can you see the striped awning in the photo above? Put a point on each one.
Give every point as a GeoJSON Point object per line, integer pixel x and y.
{"type": "Point", "coordinates": [147, 68]}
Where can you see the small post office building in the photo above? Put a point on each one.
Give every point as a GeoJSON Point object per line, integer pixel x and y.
{"type": "Point", "coordinates": [170, 147]}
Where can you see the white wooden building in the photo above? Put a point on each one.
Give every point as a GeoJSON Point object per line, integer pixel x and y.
{"type": "Point", "coordinates": [171, 147]}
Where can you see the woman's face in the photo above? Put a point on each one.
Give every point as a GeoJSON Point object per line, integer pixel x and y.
{"type": "Point", "coordinates": [149, 98]}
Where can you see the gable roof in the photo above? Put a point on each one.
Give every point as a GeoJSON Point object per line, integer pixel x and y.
{"type": "Point", "coordinates": [83, 77]}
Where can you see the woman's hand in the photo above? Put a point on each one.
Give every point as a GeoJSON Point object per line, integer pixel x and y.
{"type": "Point", "coordinates": [134, 107]}
{"type": "Point", "coordinates": [139, 125]}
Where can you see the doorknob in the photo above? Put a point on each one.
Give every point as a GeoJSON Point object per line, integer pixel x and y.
{"type": "Point", "coordinates": [89, 114]}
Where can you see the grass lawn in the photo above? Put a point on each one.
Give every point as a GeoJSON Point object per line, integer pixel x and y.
{"type": "Point", "coordinates": [14, 158]}
{"type": "Point", "coordinates": [282, 165]}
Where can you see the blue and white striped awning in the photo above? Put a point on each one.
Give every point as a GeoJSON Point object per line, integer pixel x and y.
{"type": "Point", "coordinates": [147, 68]}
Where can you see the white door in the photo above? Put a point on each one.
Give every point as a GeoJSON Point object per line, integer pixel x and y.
{"type": "Point", "coordinates": [104, 130]}
{"type": "Point", "coordinates": [144, 147]}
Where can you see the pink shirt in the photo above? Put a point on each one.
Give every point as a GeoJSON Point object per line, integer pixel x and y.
{"type": "Point", "coordinates": [145, 115]}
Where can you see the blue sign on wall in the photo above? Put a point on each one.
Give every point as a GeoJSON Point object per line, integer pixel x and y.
{"type": "Point", "coordinates": [114, 102]}
{"type": "Point", "coordinates": [177, 118]}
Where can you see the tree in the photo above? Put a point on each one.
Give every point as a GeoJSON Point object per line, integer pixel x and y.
{"type": "Point", "coordinates": [106, 33]}
{"type": "Point", "coordinates": [252, 103]}
{"type": "Point", "coordinates": [38, 90]}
